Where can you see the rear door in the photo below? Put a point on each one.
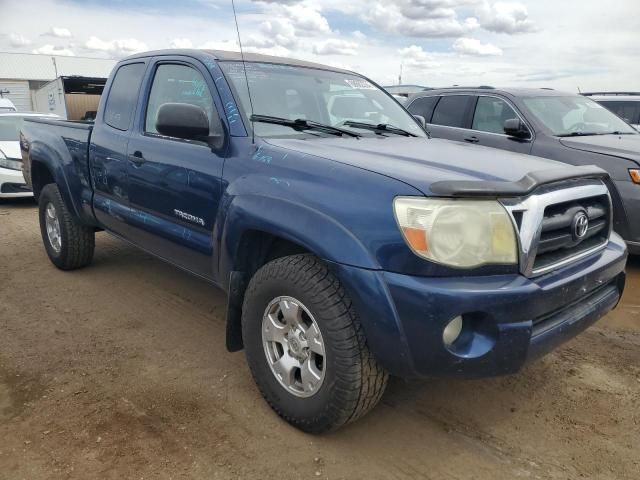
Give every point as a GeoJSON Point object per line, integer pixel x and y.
{"type": "Point", "coordinates": [487, 126]}
{"type": "Point", "coordinates": [108, 149]}
{"type": "Point", "coordinates": [174, 184]}
{"type": "Point", "coordinates": [451, 117]}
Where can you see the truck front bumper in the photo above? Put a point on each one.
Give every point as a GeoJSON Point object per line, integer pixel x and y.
{"type": "Point", "coordinates": [508, 320]}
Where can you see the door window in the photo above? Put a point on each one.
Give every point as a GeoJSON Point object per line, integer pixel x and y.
{"type": "Point", "coordinates": [452, 111]}
{"type": "Point", "coordinates": [491, 113]}
{"type": "Point", "coordinates": [123, 96]}
{"type": "Point", "coordinates": [178, 84]}
{"type": "Point", "coordinates": [424, 107]}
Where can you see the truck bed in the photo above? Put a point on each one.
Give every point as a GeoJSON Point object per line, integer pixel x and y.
{"type": "Point", "coordinates": [62, 146]}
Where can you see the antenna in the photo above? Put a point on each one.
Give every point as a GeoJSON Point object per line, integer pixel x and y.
{"type": "Point", "coordinates": [244, 68]}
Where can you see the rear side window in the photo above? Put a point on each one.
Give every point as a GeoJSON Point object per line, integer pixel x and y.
{"type": "Point", "coordinates": [452, 111]}
{"type": "Point", "coordinates": [424, 107]}
{"type": "Point", "coordinates": [628, 111]}
{"type": "Point", "coordinates": [123, 96]}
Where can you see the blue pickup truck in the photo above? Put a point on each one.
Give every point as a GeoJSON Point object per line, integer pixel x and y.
{"type": "Point", "coordinates": [350, 244]}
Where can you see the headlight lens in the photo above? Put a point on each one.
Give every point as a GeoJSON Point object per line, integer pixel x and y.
{"type": "Point", "coordinates": [8, 163]}
{"type": "Point", "coordinates": [458, 233]}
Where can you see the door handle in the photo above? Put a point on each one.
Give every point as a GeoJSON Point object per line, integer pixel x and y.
{"type": "Point", "coordinates": [471, 139]}
{"type": "Point", "coordinates": [137, 158]}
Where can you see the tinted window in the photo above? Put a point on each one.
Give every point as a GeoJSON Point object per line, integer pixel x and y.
{"type": "Point", "coordinates": [628, 111]}
{"type": "Point", "coordinates": [490, 115]}
{"type": "Point", "coordinates": [451, 111]}
{"type": "Point", "coordinates": [123, 96]}
{"type": "Point", "coordinates": [178, 84]}
{"type": "Point", "coordinates": [424, 107]}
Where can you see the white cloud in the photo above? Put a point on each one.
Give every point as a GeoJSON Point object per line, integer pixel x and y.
{"type": "Point", "coordinates": [505, 17]}
{"type": "Point", "coordinates": [181, 43]}
{"type": "Point", "coordinates": [307, 20]}
{"type": "Point", "coordinates": [17, 40]}
{"type": "Point", "coordinates": [415, 57]}
{"type": "Point", "coordinates": [335, 47]}
{"type": "Point", "coordinates": [49, 49]}
{"type": "Point", "coordinates": [473, 46]}
{"type": "Point", "coordinates": [415, 18]}
{"type": "Point", "coordinates": [227, 45]}
{"type": "Point", "coordinates": [280, 30]}
{"type": "Point", "coordinates": [116, 48]}
{"type": "Point", "coordinates": [58, 32]}
{"type": "Point", "coordinates": [358, 35]}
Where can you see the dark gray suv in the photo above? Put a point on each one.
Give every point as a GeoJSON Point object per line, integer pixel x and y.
{"type": "Point", "coordinates": [562, 126]}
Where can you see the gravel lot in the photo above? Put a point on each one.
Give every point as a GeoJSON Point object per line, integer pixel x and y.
{"type": "Point", "coordinates": [120, 371]}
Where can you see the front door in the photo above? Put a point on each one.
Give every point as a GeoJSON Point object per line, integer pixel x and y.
{"type": "Point", "coordinates": [487, 127]}
{"type": "Point", "coordinates": [174, 184]}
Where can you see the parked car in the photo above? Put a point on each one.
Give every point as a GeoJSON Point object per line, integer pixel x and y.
{"type": "Point", "coordinates": [557, 125]}
{"type": "Point", "coordinates": [624, 104]}
{"type": "Point", "coordinates": [12, 183]}
{"type": "Point", "coordinates": [351, 246]}
{"type": "Point", "coordinates": [7, 105]}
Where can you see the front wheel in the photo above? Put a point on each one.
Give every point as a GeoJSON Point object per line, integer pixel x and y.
{"type": "Point", "coordinates": [69, 244]}
{"type": "Point", "coordinates": [306, 348]}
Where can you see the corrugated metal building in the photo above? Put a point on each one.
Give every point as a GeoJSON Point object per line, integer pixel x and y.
{"type": "Point", "coordinates": [21, 74]}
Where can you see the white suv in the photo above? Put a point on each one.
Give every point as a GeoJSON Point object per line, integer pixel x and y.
{"type": "Point", "coordinates": [12, 182]}
{"type": "Point", "coordinates": [626, 105]}
{"type": "Point", "coordinates": [7, 105]}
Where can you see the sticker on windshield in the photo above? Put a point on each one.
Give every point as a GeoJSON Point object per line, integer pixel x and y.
{"type": "Point", "coordinates": [359, 84]}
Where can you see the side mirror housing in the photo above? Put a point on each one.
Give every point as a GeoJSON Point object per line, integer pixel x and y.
{"type": "Point", "coordinates": [182, 120]}
{"type": "Point", "coordinates": [516, 129]}
{"type": "Point", "coordinates": [421, 120]}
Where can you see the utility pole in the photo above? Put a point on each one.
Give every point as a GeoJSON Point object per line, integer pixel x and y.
{"type": "Point", "coordinates": [400, 76]}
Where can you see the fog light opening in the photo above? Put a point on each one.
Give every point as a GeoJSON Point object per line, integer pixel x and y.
{"type": "Point", "coordinates": [452, 331]}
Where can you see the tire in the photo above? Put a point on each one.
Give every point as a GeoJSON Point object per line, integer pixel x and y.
{"type": "Point", "coordinates": [69, 246]}
{"type": "Point", "coordinates": [352, 381]}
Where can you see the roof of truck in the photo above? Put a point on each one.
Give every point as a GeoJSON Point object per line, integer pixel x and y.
{"type": "Point", "coordinates": [236, 56]}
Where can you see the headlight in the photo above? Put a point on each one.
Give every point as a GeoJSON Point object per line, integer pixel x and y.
{"type": "Point", "coordinates": [458, 233]}
{"type": "Point", "coordinates": [8, 163]}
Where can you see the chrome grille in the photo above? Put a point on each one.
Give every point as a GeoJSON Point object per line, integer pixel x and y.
{"type": "Point", "coordinates": [547, 223]}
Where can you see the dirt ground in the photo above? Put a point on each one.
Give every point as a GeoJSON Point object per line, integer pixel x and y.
{"type": "Point", "coordinates": [120, 371]}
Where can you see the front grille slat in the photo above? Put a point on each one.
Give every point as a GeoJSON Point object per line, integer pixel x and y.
{"type": "Point", "coordinates": [558, 241]}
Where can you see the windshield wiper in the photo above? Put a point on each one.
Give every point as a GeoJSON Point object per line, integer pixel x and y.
{"type": "Point", "coordinates": [580, 134]}
{"type": "Point", "coordinates": [381, 127]}
{"type": "Point", "coordinates": [301, 124]}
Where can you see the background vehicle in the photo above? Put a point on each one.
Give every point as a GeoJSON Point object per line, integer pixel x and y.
{"type": "Point", "coordinates": [6, 105]}
{"type": "Point", "coordinates": [562, 126]}
{"type": "Point", "coordinates": [12, 183]}
{"type": "Point", "coordinates": [351, 246]}
{"type": "Point", "coordinates": [626, 105]}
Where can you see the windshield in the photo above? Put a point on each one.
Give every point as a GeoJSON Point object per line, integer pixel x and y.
{"type": "Point", "coordinates": [328, 97]}
{"type": "Point", "coordinates": [10, 128]}
{"type": "Point", "coordinates": [575, 115]}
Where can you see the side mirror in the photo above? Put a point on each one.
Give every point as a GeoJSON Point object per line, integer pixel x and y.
{"type": "Point", "coordinates": [516, 129]}
{"type": "Point", "coordinates": [182, 120]}
{"type": "Point", "coordinates": [421, 120]}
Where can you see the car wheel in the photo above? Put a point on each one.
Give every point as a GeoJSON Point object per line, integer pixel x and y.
{"type": "Point", "coordinates": [69, 245]}
{"type": "Point", "coordinates": [305, 346]}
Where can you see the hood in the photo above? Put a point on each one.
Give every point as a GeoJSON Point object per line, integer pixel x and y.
{"type": "Point", "coordinates": [420, 162]}
{"type": "Point", "coordinates": [11, 149]}
{"type": "Point", "coordinates": [623, 146]}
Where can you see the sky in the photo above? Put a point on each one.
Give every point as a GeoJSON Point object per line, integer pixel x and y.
{"type": "Point", "coordinates": [562, 44]}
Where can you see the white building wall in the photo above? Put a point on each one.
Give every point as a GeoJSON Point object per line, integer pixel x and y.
{"type": "Point", "coordinates": [19, 93]}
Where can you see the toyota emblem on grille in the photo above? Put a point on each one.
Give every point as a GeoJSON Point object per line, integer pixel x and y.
{"type": "Point", "coordinates": [580, 226]}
